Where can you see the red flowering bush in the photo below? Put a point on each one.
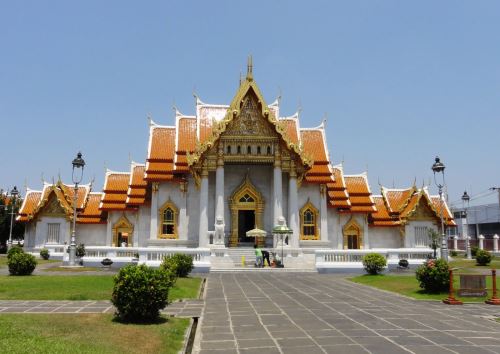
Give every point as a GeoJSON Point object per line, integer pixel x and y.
{"type": "Point", "coordinates": [433, 276]}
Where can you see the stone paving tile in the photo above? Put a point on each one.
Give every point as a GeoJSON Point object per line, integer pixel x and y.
{"type": "Point", "coordinates": [309, 313]}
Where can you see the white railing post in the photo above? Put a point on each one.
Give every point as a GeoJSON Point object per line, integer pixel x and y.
{"type": "Point", "coordinates": [495, 243]}
{"type": "Point", "coordinates": [455, 243]}
{"type": "Point", "coordinates": [481, 242]}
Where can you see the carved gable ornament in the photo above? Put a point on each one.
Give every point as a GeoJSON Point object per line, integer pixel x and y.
{"type": "Point", "coordinates": [422, 211]}
{"type": "Point", "coordinates": [53, 208]}
{"type": "Point", "coordinates": [250, 121]}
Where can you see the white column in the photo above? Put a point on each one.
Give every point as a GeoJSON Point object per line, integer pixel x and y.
{"type": "Point", "coordinates": [340, 232]}
{"type": "Point", "coordinates": [495, 243]}
{"type": "Point", "coordinates": [293, 209]}
{"type": "Point", "coordinates": [323, 214]}
{"type": "Point", "coordinates": [277, 191]}
{"type": "Point", "coordinates": [153, 230]}
{"type": "Point", "coordinates": [203, 230]}
{"type": "Point", "coordinates": [455, 242]}
{"type": "Point", "coordinates": [366, 232]}
{"type": "Point", "coordinates": [219, 193]}
{"type": "Point", "coordinates": [481, 242]}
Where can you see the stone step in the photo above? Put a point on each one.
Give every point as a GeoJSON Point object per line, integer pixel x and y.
{"type": "Point", "coordinates": [263, 270]}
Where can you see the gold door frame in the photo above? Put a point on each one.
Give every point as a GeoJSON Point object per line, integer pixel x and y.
{"type": "Point", "coordinates": [123, 224]}
{"type": "Point", "coordinates": [235, 204]}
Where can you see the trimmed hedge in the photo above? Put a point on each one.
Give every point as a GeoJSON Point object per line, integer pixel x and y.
{"type": "Point", "coordinates": [483, 257]}
{"type": "Point", "coordinates": [374, 263]}
{"type": "Point", "coordinates": [44, 253]}
{"type": "Point", "coordinates": [14, 250]}
{"type": "Point", "coordinates": [179, 264]}
{"type": "Point", "coordinates": [21, 263]}
{"type": "Point", "coordinates": [140, 292]}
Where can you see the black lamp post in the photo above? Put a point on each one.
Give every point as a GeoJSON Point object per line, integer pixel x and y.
{"type": "Point", "coordinates": [78, 163]}
{"type": "Point", "coordinates": [465, 203]}
{"type": "Point", "coordinates": [438, 168]}
{"type": "Point", "coordinates": [13, 193]}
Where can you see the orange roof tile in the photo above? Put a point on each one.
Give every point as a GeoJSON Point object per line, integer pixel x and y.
{"type": "Point", "coordinates": [291, 130]}
{"type": "Point", "coordinates": [162, 144]}
{"type": "Point", "coordinates": [381, 217]}
{"type": "Point", "coordinates": [116, 182]}
{"type": "Point", "coordinates": [312, 143]}
{"type": "Point", "coordinates": [30, 203]}
{"type": "Point", "coordinates": [397, 199]}
{"type": "Point", "coordinates": [186, 138]}
{"type": "Point", "coordinates": [356, 185]}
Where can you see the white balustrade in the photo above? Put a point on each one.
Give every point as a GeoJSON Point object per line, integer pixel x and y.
{"type": "Point", "coordinates": [353, 258]}
{"type": "Point", "coordinates": [152, 256]}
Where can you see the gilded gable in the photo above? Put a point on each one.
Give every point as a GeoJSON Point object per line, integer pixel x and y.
{"type": "Point", "coordinates": [250, 122]}
{"type": "Point", "coordinates": [53, 207]}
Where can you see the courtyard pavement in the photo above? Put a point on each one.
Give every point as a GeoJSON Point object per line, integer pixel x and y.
{"type": "Point", "coordinates": [313, 313]}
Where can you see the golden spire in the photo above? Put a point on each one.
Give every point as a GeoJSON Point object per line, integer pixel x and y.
{"type": "Point", "coordinates": [250, 69]}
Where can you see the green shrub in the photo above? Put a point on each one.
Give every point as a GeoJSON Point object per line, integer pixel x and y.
{"type": "Point", "coordinates": [483, 257]}
{"type": "Point", "coordinates": [21, 263]}
{"type": "Point", "coordinates": [403, 263]}
{"type": "Point", "coordinates": [14, 250]}
{"type": "Point", "coordinates": [374, 263]}
{"type": "Point", "coordinates": [44, 253]}
{"type": "Point", "coordinates": [80, 250]}
{"type": "Point", "coordinates": [140, 292]}
{"type": "Point", "coordinates": [454, 253]}
{"type": "Point", "coordinates": [433, 276]}
{"type": "Point", "coordinates": [473, 250]}
{"type": "Point", "coordinates": [179, 264]}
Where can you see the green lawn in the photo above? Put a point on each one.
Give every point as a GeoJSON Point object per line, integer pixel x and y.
{"type": "Point", "coordinates": [87, 333]}
{"type": "Point", "coordinates": [470, 265]}
{"type": "Point", "coordinates": [3, 261]}
{"type": "Point", "coordinates": [78, 287]}
{"type": "Point", "coordinates": [408, 285]}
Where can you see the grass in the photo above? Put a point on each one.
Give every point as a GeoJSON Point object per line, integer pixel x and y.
{"type": "Point", "coordinates": [471, 265]}
{"type": "Point", "coordinates": [88, 333]}
{"type": "Point", "coordinates": [72, 270]}
{"type": "Point", "coordinates": [408, 286]}
{"type": "Point", "coordinates": [78, 287]}
{"type": "Point", "coordinates": [3, 261]}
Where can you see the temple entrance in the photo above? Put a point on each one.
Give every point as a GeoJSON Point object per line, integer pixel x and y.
{"type": "Point", "coordinates": [122, 233]}
{"type": "Point", "coordinates": [247, 206]}
{"type": "Point", "coordinates": [246, 222]}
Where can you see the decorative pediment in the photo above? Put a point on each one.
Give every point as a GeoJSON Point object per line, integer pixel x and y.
{"type": "Point", "coordinates": [53, 207]}
{"type": "Point", "coordinates": [250, 122]}
{"type": "Point", "coordinates": [422, 211]}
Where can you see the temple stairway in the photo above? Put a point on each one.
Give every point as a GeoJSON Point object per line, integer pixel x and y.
{"type": "Point", "coordinates": [233, 262]}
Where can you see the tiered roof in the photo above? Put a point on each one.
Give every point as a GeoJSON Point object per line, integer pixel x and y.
{"type": "Point", "coordinates": [396, 207]}
{"type": "Point", "coordinates": [87, 203]}
{"type": "Point", "coordinates": [170, 146]}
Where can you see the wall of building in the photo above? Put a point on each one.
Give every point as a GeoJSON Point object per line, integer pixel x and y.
{"type": "Point", "coordinates": [41, 230]}
{"type": "Point", "coordinates": [91, 234]}
{"type": "Point", "coordinates": [385, 237]}
{"type": "Point", "coordinates": [410, 237]}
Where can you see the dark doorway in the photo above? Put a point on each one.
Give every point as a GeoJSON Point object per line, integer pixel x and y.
{"type": "Point", "coordinates": [246, 222]}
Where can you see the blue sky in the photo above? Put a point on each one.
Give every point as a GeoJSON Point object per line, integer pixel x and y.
{"type": "Point", "coordinates": [399, 81]}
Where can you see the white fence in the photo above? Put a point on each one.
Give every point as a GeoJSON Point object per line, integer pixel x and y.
{"type": "Point", "coordinates": [352, 259]}
{"type": "Point", "coordinates": [152, 256]}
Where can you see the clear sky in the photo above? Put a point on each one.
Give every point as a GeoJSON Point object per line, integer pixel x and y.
{"type": "Point", "coordinates": [399, 81]}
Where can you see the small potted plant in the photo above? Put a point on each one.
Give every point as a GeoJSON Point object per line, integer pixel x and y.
{"type": "Point", "coordinates": [44, 253]}
{"type": "Point", "coordinates": [107, 262]}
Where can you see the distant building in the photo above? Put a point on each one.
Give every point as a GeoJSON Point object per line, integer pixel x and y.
{"type": "Point", "coordinates": [481, 219]}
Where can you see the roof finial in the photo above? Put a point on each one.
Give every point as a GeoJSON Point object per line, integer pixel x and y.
{"type": "Point", "coordinates": [250, 68]}
{"type": "Point", "coordinates": [241, 77]}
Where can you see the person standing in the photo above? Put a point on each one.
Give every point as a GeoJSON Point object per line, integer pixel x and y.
{"type": "Point", "coordinates": [258, 256]}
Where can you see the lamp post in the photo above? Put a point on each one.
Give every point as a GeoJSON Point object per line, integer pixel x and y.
{"type": "Point", "coordinates": [13, 193]}
{"type": "Point", "coordinates": [465, 202]}
{"type": "Point", "coordinates": [438, 167]}
{"type": "Point", "coordinates": [78, 163]}
{"type": "Point", "coordinates": [281, 229]}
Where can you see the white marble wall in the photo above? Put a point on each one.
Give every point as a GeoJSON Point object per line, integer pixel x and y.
{"type": "Point", "coordinates": [385, 237]}
{"type": "Point", "coordinates": [41, 230]}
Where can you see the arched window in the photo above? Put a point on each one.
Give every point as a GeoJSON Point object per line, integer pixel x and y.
{"type": "Point", "coordinates": [238, 149]}
{"type": "Point", "coordinates": [258, 150]}
{"type": "Point", "coordinates": [268, 150]}
{"type": "Point", "coordinates": [249, 149]}
{"type": "Point", "coordinates": [309, 222]}
{"type": "Point", "coordinates": [229, 149]}
{"type": "Point", "coordinates": [247, 198]}
{"type": "Point", "coordinates": [168, 222]}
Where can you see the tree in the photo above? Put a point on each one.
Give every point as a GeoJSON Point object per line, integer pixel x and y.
{"type": "Point", "coordinates": [435, 239]}
{"type": "Point", "coordinates": [5, 210]}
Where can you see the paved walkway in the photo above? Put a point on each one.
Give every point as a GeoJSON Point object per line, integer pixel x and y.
{"type": "Point", "coordinates": [312, 313]}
